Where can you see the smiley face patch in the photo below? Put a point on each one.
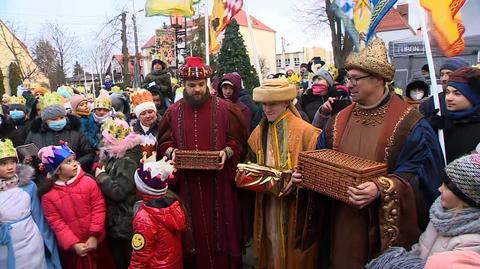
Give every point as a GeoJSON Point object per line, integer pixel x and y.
{"type": "Point", "coordinates": [138, 241]}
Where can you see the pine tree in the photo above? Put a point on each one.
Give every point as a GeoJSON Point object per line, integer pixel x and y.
{"type": "Point", "coordinates": [233, 57]}
{"type": "Point", "coordinates": [14, 76]}
{"type": "Point", "coordinates": [2, 87]}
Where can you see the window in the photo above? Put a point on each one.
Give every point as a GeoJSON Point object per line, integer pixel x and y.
{"type": "Point", "coordinates": [287, 62]}
{"type": "Point", "coordinates": [296, 61]}
{"type": "Point", "coordinates": [279, 62]}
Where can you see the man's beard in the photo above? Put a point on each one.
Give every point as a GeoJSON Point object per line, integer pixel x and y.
{"type": "Point", "coordinates": [194, 102]}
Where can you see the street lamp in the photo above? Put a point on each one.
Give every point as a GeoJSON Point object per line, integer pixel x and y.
{"type": "Point", "coordinates": [177, 23]}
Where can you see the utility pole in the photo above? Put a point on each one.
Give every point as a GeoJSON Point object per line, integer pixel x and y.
{"type": "Point", "coordinates": [126, 60]}
{"type": "Point", "coordinates": [283, 53]}
{"type": "Point", "coordinates": [136, 79]}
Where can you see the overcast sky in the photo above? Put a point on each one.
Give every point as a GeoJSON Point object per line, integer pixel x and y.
{"type": "Point", "coordinates": [85, 18]}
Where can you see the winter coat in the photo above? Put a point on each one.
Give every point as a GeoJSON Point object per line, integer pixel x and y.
{"type": "Point", "coordinates": [90, 130]}
{"type": "Point", "coordinates": [236, 80]}
{"type": "Point", "coordinates": [431, 242]}
{"type": "Point", "coordinates": [310, 103]}
{"type": "Point", "coordinates": [118, 187]}
{"type": "Point", "coordinates": [255, 111]}
{"type": "Point", "coordinates": [162, 83]}
{"type": "Point", "coordinates": [42, 136]}
{"type": "Point", "coordinates": [75, 210]}
{"type": "Point", "coordinates": [8, 131]}
{"type": "Point", "coordinates": [157, 241]}
{"type": "Point", "coordinates": [461, 136]}
{"type": "Point", "coordinates": [153, 130]}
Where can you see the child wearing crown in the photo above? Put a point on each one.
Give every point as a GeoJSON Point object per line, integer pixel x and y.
{"type": "Point", "coordinates": [26, 241]}
{"type": "Point", "coordinates": [74, 207]}
{"type": "Point", "coordinates": [159, 221]}
{"type": "Point", "coordinates": [121, 157]}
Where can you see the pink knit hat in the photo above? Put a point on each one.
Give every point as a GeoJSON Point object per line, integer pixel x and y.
{"type": "Point", "coordinates": [75, 100]}
{"type": "Point", "coordinates": [454, 260]}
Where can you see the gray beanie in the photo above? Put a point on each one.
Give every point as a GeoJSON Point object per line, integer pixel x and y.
{"type": "Point", "coordinates": [53, 111]}
{"type": "Point", "coordinates": [464, 173]}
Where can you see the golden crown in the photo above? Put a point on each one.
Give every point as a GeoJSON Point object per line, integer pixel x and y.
{"type": "Point", "coordinates": [332, 70]}
{"type": "Point", "coordinates": [115, 129]}
{"type": "Point", "coordinates": [103, 102]}
{"type": "Point", "coordinates": [141, 96]}
{"type": "Point", "coordinates": [50, 99]}
{"type": "Point", "coordinates": [7, 150]}
{"type": "Point", "coordinates": [116, 89]}
{"type": "Point", "coordinates": [16, 100]}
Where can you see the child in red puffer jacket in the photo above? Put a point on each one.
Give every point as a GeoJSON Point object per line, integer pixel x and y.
{"type": "Point", "coordinates": [74, 208]}
{"type": "Point", "coordinates": [159, 221]}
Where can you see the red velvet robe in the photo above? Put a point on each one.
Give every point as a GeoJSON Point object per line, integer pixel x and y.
{"type": "Point", "coordinates": [213, 235]}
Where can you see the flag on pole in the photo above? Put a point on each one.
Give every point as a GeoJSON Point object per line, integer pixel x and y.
{"type": "Point", "coordinates": [380, 8]}
{"type": "Point", "coordinates": [344, 9]}
{"type": "Point", "coordinates": [361, 16]}
{"type": "Point", "coordinates": [168, 8]}
{"type": "Point", "coordinates": [448, 28]}
{"type": "Point", "coordinates": [222, 13]}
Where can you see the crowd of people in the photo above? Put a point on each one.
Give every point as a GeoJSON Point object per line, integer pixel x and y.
{"type": "Point", "coordinates": [91, 181]}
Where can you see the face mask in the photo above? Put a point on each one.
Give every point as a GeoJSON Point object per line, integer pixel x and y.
{"type": "Point", "coordinates": [319, 89]}
{"type": "Point", "coordinates": [57, 125]}
{"type": "Point", "coordinates": [416, 94]}
{"type": "Point", "coordinates": [17, 115]}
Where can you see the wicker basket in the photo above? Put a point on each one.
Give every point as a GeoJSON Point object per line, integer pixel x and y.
{"type": "Point", "coordinates": [197, 159]}
{"type": "Point", "coordinates": [331, 172]}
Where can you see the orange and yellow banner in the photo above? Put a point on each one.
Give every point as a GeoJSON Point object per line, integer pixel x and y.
{"type": "Point", "coordinates": [222, 13]}
{"type": "Point", "coordinates": [448, 28]}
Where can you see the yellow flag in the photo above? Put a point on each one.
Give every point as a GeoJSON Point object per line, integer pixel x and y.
{"type": "Point", "coordinates": [217, 24]}
{"type": "Point", "coordinates": [169, 7]}
{"type": "Point", "coordinates": [361, 16]}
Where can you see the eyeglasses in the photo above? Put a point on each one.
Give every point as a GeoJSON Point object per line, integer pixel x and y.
{"type": "Point", "coordinates": [353, 80]}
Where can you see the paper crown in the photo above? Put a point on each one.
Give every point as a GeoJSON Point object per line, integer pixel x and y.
{"type": "Point", "coordinates": [39, 90]}
{"type": "Point", "coordinates": [142, 100]}
{"type": "Point", "coordinates": [53, 156]}
{"type": "Point", "coordinates": [329, 73]}
{"type": "Point", "coordinates": [117, 128]}
{"type": "Point", "coordinates": [50, 99]}
{"type": "Point", "coordinates": [65, 91]}
{"type": "Point", "coordinates": [7, 150]}
{"type": "Point", "coordinates": [294, 79]}
{"type": "Point", "coordinates": [373, 60]}
{"type": "Point", "coordinates": [103, 101]}
{"type": "Point", "coordinates": [194, 68]}
{"type": "Point", "coordinates": [116, 89]}
{"type": "Point", "coordinates": [16, 100]}
{"type": "Point", "coordinates": [151, 177]}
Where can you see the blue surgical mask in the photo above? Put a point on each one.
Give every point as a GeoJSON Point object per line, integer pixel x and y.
{"type": "Point", "coordinates": [57, 125]}
{"type": "Point", "coordinates": [17, 115]}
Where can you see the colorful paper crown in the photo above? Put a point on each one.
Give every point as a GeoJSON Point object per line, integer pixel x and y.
{"type": "Point", "coordinates": [117, 128]}
{"type": "Point", "coordinates": [294, 79]}
{"type": "Point", "coordinates": [53, 156]}
{"type": "Point", "coordinates": [7, 150]}
{"type": "Point", "coordinates": [373, 60]}
{"type": "Point", "coordinates": [50, 99]}
{"type": "Point", "coordinates": [103, 101]}
{"type": "Point", "coordinates": [65, 91]}
{"type": "Point", "coordinates": [16, 100]}
{"type": "Point", "coordinates": [329, 73]}
{"type": "Point", "coordinates": [116, 89]}
{"type": "Point", "coordinates": [40, 90]}
{"type": "Point", "coordinates": [194, 68]}
{"type": "Point", "coordinates": [151, 177]}
{"type": "Point", "coordinates": [142, 100]}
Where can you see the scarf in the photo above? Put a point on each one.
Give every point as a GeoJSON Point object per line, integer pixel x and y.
{"type": "Point", "coordinates": [118, 147]}
{"type": "Point", "coordinates": [100, 120]}
{"type": "Point", "coordinates": [457, 115]}
{"type": "Point", "coordinates": [8, 183]}
{"type": "Point", "coordinates": [82, 113]}
{"type": "Point", "coordinates": [453, 223]}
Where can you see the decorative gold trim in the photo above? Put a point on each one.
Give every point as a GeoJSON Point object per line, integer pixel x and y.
{"type": "Point", "coordinates": [390, 210]}
{"type": "Point", "coordinates": [391, 140]}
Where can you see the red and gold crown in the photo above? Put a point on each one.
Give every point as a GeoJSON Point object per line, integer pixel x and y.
{"type": "Point", "coordinates": [194, 68]}
{"type": "Point", "coordinates": [141, 96]}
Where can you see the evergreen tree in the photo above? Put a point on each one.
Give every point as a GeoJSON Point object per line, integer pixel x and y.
{"type": "Point", "coordinates": [77, 70]}
{"type": "Point", "coordinates": [233, 57]}
{"type": "Point", "coordinates": [2, 87]}
{"type": "Point", "coordinates": [14, 76]}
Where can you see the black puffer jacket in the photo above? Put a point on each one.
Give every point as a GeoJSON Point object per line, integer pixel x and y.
{"type": "Point", "coordinates": [42, 136]}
